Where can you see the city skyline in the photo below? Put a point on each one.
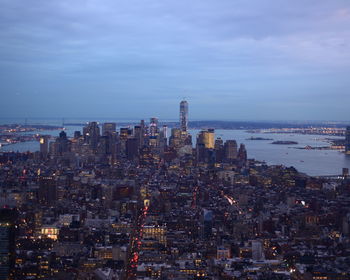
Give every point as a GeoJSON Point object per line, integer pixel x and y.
{"type": "Point", "coordinates": [231, 60]}
{"type": "Point", "coordinates": [106, 202]}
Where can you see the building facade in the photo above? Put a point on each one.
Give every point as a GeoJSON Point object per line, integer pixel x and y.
{"type": "Point", "coordinates": [184, 115]}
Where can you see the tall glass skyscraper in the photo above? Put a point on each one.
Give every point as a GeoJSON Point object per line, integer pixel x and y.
{"type": "Point", "coordinates": [184, 115]}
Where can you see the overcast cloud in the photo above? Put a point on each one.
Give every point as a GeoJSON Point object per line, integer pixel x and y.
{"type": "Point", "coordinates": [251, 60]}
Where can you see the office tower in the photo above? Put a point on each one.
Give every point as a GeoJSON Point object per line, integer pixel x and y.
{"type": "Point", "coordinates": [184, 115]}
{"type": "Point", "coordinates": [219, 150]}
{"type": "Point", "coordinates": [8, 218]}
{"type": "Point", "coordinates": [138, 135]}
{"type": "Point", "coordinates": [230, 148]}
{"type": "Point", "coordinates": [219, 144]}
{"type": "Point", "coordinates": [112, 145]}
{"type": "Point", "coordinates": [142, 124]}
{"type": "Point", "coordinates": [242, 154]}
{"type": "Point", "coordinates": [44, 145]}
{"type": "Point", "coordinates": [347, 140]}
{"type": "Point", "coordinates": [47, 192]}
{"type": "Point", "coordinates": [132, 148]}
{"type": "Point", "coordinates": [163, 139]}
{"type": "Point", "coordinates": [108, 145]}
{"type": "Point", "coordinates": [206, 137]}
{"type": "Point", "coordinates": [91, 134]}
{"type": "Point", "coordinates": [109, 128]}
{"type": "Point", "coordinates": [103, 146]}
{"type": "Point", "coordinates": [209, 137]}
{"type": "Point", "coordinates": [124, 133]}
{"type": "Point", "coordinates": [76, 143]}
{"type": "Point", "coordinates": [60, 146]}
{"type": "Point", "coordinates": [175, 138]}
{"type": "Point", "coordinates": [205, 145]}
{"type": "Point", "coordinates": [123, 137]}
{"type": "Point", "coordinates": [201, 152]}
{"type": "Point", "coordinates": [153, 141]}
{"type": "Point", "coordinates": [164, 131]}
{"type": "Point", "coordinates": [153, 127]}
{"type": "Point", "coordinates": [179, 138]}
{"type": "Point", "coordinates": [62, 143]}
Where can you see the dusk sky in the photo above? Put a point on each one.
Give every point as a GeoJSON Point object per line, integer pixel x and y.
{"type": "Point", "coordinates": [232, 60]}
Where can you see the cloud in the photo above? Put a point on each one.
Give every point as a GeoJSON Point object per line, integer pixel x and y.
{"type": "Point", "coordinates": [155, 50]}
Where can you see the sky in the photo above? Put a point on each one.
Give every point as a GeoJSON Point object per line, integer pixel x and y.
{"type": "Point", "coordinates": [230, 59]}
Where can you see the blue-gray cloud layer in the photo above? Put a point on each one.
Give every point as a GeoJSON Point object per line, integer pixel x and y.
{"type": "Point", "coordinates": [232, 59]}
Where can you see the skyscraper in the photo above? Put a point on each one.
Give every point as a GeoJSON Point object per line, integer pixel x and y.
{"type": "Point", "coordinates": [44, 145]}
{"type": "Point", "coordinates": [7, 242]}
{"type": "Point", "coordinates": [92, 134]}
{"type": "Point", "coordinates": [109, 128]}
{"type": "Point", "coordinates": [242, 155]}
{"type": "Point", "coordinates": [62, 143]}
{"type": "Point", "coordinates": [206, 137]}
{"type": "Point", "coordinates": [153, 126]}
{"type": "Point", "coordinates": [347, 140]}
{"type": "Point", "coordinates": [184, 115]}
{"type": "Point", "coordinates": [230, 150]}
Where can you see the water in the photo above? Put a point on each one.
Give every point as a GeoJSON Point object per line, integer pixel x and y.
{"type": "Point", "coordinates": [311, 162]}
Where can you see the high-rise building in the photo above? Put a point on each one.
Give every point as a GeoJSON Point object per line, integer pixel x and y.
{"type": "Point", "coordinates": [201, 152]}
{"type": "Point", "coordinates": [7, 242]}
{"type": "Point", "coordinates": [44, 145]}
{"type": "Point", "coordinates": [184, 115]}
{"type": "Point", "coordinates": [109, 128]}
{"type": "Point", "coordinates": [219, 150]}
{"type": "Point", "coordinates": [207, 137]}
{"type": "Point", "coordinates": [108, 142]}
{"type": "Point", "coordinates": [92, 134]}
{"type": "Point", "coordinates": [132, 148]}
{"type": "Point", "coordinates": [103, 145]}
{"type": "Point", "coordinates": [164, 131]}
{"type": "Point", "coordinates": [219, 143]}
{"type": "Point", "coordinates": [175, 138]}
{"type": "Point", "coordinates": [125, 133]}
{"type": "Point", "coordinates": [230, 150]}
{"type": "Point", "coordinates": [153, 126]}
{"type": "Point", "coordinates": [242, 154]}
{"type": "Point", "coordinates": [347, 140]}
{"type": "Point", "coordinates": [62, 143]}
